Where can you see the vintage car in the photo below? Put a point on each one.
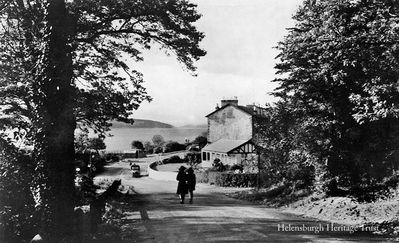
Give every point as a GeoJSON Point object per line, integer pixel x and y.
{"type": "Point", "coordinates": [135, 170]}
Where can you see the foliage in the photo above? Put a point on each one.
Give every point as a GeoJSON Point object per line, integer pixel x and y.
{"type": "Point", "coordinates": [81, 141]}
{"type": "Point", "coordinates": [173, 159]}
{"type": "Point", "coordinates": [173, 146]}
{"type": "Point", "coordinates": [104, 34]}
{"type": "Point", "coordinates": [201, 141]}
{"type": "Point", "coordinates": [237, 167]}
{"type": "Point", "coordinates": [17, 221]}
{"type": "Point", "coordinates": [338, 84]}
{"type": "Point", "coordinates": [207, 176]}
{"type": "Point", "coordinates": [158, 141]}
{"type": "Point", "coordinates": [227, 179]}
{"type": "Point", "coordinates": [114, 157]}
{"type": "Point", "coordinates": [193, 158]}
{"type": "Point", "coordinates": [218, 165]}
{"type": "Point", "coordinates": [149, 148]}
{"type": "Point", "coordinates": [91, 161]}
{"type": "Point", "coordinates": [96, 144]}
{"type": "Point", "coordinates": [158, 150]}
{"type": "Point", "coordinates": [137, 144]}
{"type": "Point", "coordinates": [85, 189]}
{"type": "Point", "coordinates": [65, 65]}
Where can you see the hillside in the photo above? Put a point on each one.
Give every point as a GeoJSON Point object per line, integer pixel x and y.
{"type": "Point", "coordinates": [195, 126]}
{"type": "Point", "coordinates": [141, 123]}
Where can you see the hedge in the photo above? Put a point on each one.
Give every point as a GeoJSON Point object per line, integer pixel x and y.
{"type": "Point", "coordinates": [173, 160]}
{"type": "Point", "coordinates": [228, 179]}
{"type": "Point", "coordinates": [236, 180]}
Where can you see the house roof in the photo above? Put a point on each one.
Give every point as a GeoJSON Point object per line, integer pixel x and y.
{"type": "Point", "coordinates": [225, 145]}
{"type": "Point", "coordinates": [242, 108]}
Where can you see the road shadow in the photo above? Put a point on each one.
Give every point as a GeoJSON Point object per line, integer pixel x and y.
{"type": "Point", "coordinates": [216, 218]}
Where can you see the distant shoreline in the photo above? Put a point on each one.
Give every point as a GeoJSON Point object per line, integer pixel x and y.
{"type": "Point", "coordinates": [122, 138]}
{"type": "Point", "coordinates": [142, 123]}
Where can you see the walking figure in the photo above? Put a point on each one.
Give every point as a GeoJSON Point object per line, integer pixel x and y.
{"type": "Point", "coordinates": [182, 189]}
{"type": "Point", "coordinates": [191, 180]}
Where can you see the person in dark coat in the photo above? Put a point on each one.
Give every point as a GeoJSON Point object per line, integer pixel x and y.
{"type": "Point", "coordinates": [182, 189]}
{"type": "Point", "coordinates": [191, 180]}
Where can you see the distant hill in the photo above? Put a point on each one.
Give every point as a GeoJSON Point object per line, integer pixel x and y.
{"type": "Point", "coordinates": [141, 123]}
{"type": "Point", "coordinates": [195, 126]}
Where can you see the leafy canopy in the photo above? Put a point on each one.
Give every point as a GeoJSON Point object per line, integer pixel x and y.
{"type": "Point", "coordinates": [338, 76]}
{"type": "Point", "coordinates": [106, 38]}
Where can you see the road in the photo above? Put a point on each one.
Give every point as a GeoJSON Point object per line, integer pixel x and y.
{"type": "Point", "coordinates": [157, 216]}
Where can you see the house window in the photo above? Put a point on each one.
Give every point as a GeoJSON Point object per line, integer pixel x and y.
{"type": "Point", "coordinates": [208, 157]}
{"type": "Point", "coordinates": [203, 155]}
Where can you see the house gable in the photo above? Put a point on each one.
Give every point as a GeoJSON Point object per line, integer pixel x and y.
{"type": "Point", "coordinates": [229, 122]}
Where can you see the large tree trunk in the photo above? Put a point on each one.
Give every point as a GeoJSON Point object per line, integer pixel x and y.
{"type": "Point", "coordinates": [54, 148]}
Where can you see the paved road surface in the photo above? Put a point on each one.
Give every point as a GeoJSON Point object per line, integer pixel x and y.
{"type": "Point", "coordinates": [158, 216]}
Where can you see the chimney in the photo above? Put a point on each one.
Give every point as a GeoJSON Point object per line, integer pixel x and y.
{"type": "Point", "coordinates": [229, 101]}
{"type": "Point", "coordinates": [217, 107]}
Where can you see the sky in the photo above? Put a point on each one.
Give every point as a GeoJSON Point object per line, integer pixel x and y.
{"type": "Point", "coordinates": [239, 40]}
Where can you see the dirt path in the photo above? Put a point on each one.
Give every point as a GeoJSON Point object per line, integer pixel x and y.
{"type": "Point", "coordinates": [157, 216]}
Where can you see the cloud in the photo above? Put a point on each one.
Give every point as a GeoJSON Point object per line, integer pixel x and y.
{"type": "Point", "coordinates": [240, 36]}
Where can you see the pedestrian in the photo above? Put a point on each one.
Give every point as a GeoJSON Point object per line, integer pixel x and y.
{"type": "Point", "coordinates": [191, 183]}
{"type": "Point", "coordinates": [182, 189]}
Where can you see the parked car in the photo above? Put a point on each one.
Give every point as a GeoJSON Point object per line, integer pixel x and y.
{"type": "Point", "coordinates": [135, 170]}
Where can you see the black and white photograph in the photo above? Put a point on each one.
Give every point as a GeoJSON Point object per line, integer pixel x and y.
{"type": "Point", "coordinates": [199, 121]}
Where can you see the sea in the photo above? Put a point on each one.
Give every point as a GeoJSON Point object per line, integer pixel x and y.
{"type": "Point", "coordinates": [122, 138]}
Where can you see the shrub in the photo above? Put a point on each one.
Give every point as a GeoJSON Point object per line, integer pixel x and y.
{"type": "Point", "coordinates": [97, 161]}
{"type": "Point", "coordinates": [158, 150]}
{"type": "Point", "coordinates": [174, 146]}
{"type": "Point", "coordinates": [85, 189]}
{"type": "Point", "coordinates": [148, 147]}
{"type": "Point", "coordinates": [173, 160]}
{"type": "Point", "coordinates": [300, 175]}
{"type": "Point", "coordinates": [201, 141]}
{"type": "Point", "coordinates": [236, 180]}
{"type": "Point", "coordinates": [212, 177]}
{"type": "Point", "coordinates": [219, 166]}
{"type": "Point", "coordinates": [237, 167]}
{"type": "Point", "coordinates": [227, 179]}
{"type": "Point", "coordinates": [193, 158]}
{"type": "Point", "coordinates": [137, 144]}
{"type": "Point", "coordinates": [202, 176]}
{"type": "Point", "coordinates": [112, 157]}
{"type": "Point", "coordinates": [17, 221]}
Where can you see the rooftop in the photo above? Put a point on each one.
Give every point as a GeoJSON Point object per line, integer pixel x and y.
{"type": "Point", "coordinates": [224, 145]}
{"type": "Point", "coordinates": [250, 109]}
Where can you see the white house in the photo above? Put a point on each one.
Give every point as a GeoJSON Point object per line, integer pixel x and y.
{"type": "Point", "coordinates": [230, 133]}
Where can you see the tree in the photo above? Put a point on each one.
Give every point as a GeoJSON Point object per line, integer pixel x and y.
{"type": "Point", "coordinates": [149, 147]}
{"type": "Point", "coordinates": [137, 144]}
{"type": "Point", "coordinates": [283, 139]}
{"type": "Point", "coordinates": [62, 67]}
{"type": "Point", "coordinates": [96, 143]}
{"type": "Point", "coordinates": [158, 140]}
{"type": "Point", "coordinates": [16, 201]}
{"type": "Point", "coordinates": [201, 141]}
{"type": "Point", "coordinates": [81, 142]}
{"type": "Point", "coordinates": [172, 146]}
{"type": "Point", "coordinates": [339, 71]}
